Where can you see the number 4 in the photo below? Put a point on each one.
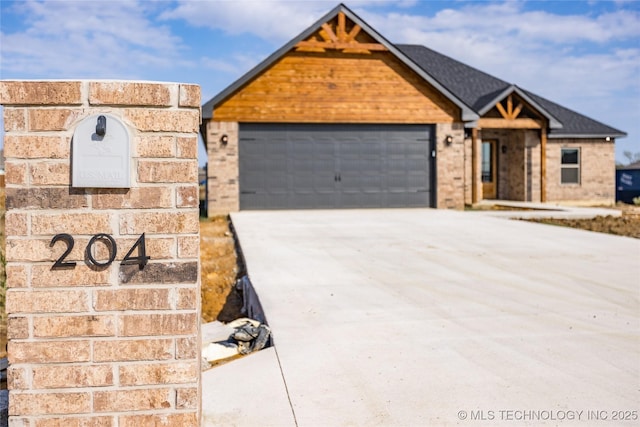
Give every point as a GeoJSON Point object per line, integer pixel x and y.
{"type": "Point", "coordinates": [142, 257]}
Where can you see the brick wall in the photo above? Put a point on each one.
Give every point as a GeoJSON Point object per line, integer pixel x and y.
{"type": "Point", "coordinates": [223, 180]}
{"type": "Point", "coordinates": [450, 165]}
{"type": "Point", "coordinates": [597, 172]}
{"type": "Point", "coordinates": [115, 345]}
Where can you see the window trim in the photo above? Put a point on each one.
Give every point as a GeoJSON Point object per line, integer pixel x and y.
{"type": "Point", "coordinates": [577, 165]}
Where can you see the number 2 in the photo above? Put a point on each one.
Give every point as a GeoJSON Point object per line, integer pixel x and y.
{"type": "Point", "coordinates": [68, 239]}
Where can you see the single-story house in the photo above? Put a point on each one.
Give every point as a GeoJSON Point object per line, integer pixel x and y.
{"type": "Point", "coordinates": [340, 117]}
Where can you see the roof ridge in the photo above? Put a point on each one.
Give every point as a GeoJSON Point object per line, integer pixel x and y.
{"type": "Point", "coordinates": [469, 84]}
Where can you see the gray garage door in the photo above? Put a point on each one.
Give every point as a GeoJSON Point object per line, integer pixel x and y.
{"type": "Point", "coordinates": [295, 166]}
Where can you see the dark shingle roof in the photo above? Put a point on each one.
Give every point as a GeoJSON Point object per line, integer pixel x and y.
{"type": "Point", "coordinates": [479, 90]}
{"type": "Point", "coordinates": [575, 124]}
{"type": "Point", "coordinates": [474, 87]}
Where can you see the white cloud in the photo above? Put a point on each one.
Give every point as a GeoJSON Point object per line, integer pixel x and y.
{"type": "Point", "coordinates": [87, 39]}
{"type": "Point", "coordinates": [505, 23]}
{"type": "Point", "coordinates": [276, 21]}
{"type": "Point", "coordinates": [580, 61]}
{"type": "Point", "coordinates": [271, 20]}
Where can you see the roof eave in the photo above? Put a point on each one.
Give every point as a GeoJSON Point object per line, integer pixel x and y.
{"type": "Point", "coordinates": [467, 114]}
{"type": "Point", "coordinates": [587, 135]}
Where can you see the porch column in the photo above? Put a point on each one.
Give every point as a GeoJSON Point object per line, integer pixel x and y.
{"type": "Point", "coordinates": [474, 165]}
{"type": "Point", "coordinates": [543, 165]}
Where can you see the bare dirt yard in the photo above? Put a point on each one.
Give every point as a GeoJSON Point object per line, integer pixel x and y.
{"type": "Point", "coordinates": [3, 280]}
{"type": "Point", "coordinates": [219, 270]}
{"type": "Point", "coordinates": [626, 225]}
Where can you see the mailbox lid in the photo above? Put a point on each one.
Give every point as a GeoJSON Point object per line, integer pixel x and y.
{"type": "Point", "coordinates": [101, 153]}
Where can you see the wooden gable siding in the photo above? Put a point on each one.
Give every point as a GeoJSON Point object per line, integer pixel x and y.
{"type": "Point", "coordinates": [337, 87]}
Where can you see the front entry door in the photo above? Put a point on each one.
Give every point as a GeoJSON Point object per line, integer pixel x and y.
{"type": "Point", "coordinates": [489, 182]}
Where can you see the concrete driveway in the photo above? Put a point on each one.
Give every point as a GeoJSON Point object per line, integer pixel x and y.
{"type": "Point", "coordinates": [432, 317]}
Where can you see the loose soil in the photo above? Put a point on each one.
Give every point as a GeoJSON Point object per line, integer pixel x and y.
{"type": "Point", "coordinates": [219, 270]}
{"type": "Point", "coordinates": [628, 224]}
{"type": "Point", "coordinates": [3, 280]}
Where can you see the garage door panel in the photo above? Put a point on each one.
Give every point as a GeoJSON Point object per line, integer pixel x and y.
{"type": "Point", "coordinates": [415, 200]}
{"type": "Point", "coordinates": [323, 186]}
{"type": "Point", "coordinates": [414, 165]}
{"type": "Point", "coordinates": [396, 182]}
{"type": "Point", "coordinates": [373, 200]}
{"type": "Point", "coordinates": [302, 165]}
{"type": "Point", "coordinates": [372, 183]}
{"type": "Point", "coordinates": [275, 200]}
{"type": "Point", "coordinates": [416, 149]}
{"type": "Point", "coordinates": [303, 183]}
{"type": "Point", "coordinates": [418, 182]}
{"type": "Point", "coordinates": [324, 201]}
{"type": "Point", "coordinates": [326, 166]}
{"type": "Point", "coordinates": [277, 183]}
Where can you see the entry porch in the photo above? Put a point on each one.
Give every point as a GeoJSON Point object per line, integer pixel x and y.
{"type": "Point", "coordinates": [508, 152]}
{"type": "Point", "coordinates": [508, 165]}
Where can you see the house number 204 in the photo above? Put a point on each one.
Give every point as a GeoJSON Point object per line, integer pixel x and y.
{"type": "Point", "coordinates": [109, 242]}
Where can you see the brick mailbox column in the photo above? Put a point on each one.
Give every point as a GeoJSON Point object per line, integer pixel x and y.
{"type": "Point", "coordinates": [95, 341]}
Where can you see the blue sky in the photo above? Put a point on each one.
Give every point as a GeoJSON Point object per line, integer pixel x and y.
{"type": "Point", "coordinates": [584, 55]}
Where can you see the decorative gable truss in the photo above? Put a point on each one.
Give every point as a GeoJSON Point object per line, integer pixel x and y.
{"type": "Point", "coordinates": [512, 113]}
{"type": "Point", "coordinates": [340, 33]}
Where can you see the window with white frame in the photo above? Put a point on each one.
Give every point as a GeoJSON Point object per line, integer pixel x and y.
{"type": "Point", "coordinates": [570, 166]}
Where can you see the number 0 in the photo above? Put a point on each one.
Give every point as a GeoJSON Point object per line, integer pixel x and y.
{"type": "Point", "coordinates": [112, 249]}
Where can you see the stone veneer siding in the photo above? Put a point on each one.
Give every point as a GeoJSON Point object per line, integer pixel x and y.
{"type": "Point", "coordinates": [115, 346]}
{"type": "Point", "coordinates": [597, 172]}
